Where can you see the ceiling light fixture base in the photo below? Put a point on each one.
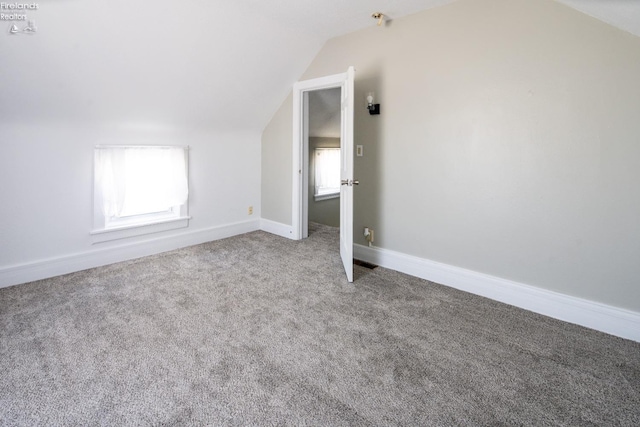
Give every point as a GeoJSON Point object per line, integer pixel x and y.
{"type": "Point", "coordinates": [379, 16]}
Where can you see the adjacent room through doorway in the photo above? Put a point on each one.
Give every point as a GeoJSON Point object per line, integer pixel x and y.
{"type": "Point", "coordinates": [324, 157]}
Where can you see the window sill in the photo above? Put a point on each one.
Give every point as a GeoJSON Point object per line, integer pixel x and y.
{"type": "Point", "coordinates": [320, 197]}
{"type": "Point", "coordinates": [122, 232]}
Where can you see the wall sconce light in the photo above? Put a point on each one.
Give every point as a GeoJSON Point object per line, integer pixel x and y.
{"type": "Point", "coordinates": [374, 109]}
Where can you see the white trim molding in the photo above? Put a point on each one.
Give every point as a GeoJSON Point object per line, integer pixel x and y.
{"type": "Point", "coordinates": [107, 234]}
{"type": "Point", "coordinates": [300, 189]}
{"type": "Point", "coordinates": [42, 269]}
{"type": "Point", "coordinates": [276, 228]}
{"type": "Point", "coordinates": [601, 317]}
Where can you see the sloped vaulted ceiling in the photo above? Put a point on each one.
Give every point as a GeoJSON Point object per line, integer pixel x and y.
{"type": "Point", "coordinates": [624, 14]}
{"type": "Point", "coordinates": [195, 63]}
{"type": "Point", "coordinates": [223, 64]}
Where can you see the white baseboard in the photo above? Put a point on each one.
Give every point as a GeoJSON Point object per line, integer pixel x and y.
{"type": "Point", "coordinates": [276, 228]}
{"type": "Point", "coordinates": [601, 317]}
{"type": "Point", "coordinates": [42, 269]}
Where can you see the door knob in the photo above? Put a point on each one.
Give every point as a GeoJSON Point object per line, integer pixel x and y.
{"type": "Point", "coordinates": [349, 182]}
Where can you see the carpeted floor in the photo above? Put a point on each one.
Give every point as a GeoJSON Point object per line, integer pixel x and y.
{"type": "Point", "coordinates": [261, 330]}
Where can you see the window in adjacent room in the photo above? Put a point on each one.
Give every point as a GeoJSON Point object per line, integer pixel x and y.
{"type": "Point", "coordinates": [139, 190]}
{"type": "Point", "coordinates": [327, 173]}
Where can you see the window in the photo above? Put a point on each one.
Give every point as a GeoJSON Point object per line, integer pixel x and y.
{"type": "Point", "coordinates": [143, 187]}
{"type": "Point", "coordinates": [327, 173]}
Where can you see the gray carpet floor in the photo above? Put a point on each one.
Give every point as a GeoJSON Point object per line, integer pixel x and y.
{"type": "Point", "coordinates": [261, 330]}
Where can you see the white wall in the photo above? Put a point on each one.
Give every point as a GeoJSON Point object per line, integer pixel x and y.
{"type": "Point", "coordinates": [276, 167]}
{"type": "Point", "coordinates": [507, 144]}
{"type": "Point", "coordinates": [125, 73]}
{"type": "Point", "coordinates": [47, 171]}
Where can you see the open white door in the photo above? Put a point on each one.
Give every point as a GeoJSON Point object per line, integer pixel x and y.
{"type": "Point", "coordinates": [346, 175]}
{"type": "Point", "coordinates": [300, 160]}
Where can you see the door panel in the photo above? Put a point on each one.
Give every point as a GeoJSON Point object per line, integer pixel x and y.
{"type": "Point", "coordinates": [346, 175]}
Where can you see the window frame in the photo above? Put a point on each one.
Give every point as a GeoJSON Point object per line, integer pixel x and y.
{"type": "Point", "coordinates": [106, 229]}
{"type": "Point", "coordinates": [328, 195]}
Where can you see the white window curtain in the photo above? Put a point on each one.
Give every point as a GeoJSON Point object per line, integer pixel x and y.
{"type": "Point", "coordinates": [327, 171]}
{"type": "Point", "coordinates": [140, 180]}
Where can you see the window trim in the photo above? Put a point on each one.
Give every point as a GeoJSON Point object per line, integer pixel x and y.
{"type": "Point", "coordinates": [327, 195]}
{"type": "Point", "coordinates": [138, 225]}
{"type": "Point", "coordinates": [108, 234]}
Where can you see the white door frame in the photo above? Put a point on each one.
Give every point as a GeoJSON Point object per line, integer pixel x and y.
{"type": "Point", "coordinates": [300, 196]}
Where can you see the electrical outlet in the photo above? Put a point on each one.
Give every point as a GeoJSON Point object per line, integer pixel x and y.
{"type": "Point", "coordinates": [250, 210]}
{"type": "Point", "coordinates": [368, 234]}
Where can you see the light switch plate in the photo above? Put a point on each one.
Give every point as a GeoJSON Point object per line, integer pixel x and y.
{"type": "Point", "coordinates": [359, 150]}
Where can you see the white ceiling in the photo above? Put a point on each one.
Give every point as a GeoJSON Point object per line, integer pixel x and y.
{"type": "Point", "coordinates": [198, 63]}
{"type": "Point", "coordinates": [331, 18]}
{"type": "Point", "coordinates": [160, 64]}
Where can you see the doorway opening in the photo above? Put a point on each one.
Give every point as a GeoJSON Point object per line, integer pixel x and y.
{"type": "Point", "coordinates": [323, 152]}
{"type": "Point", "coordinates": [300, 198]}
